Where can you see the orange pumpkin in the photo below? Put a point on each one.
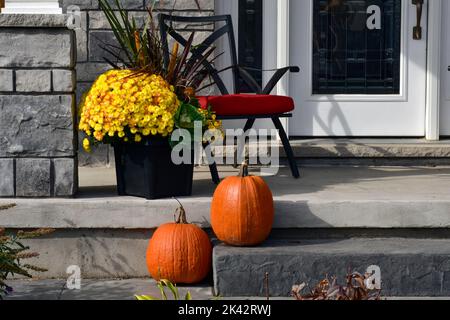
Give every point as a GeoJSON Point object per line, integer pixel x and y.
{"type": "Point", "coordinates": [242, 210]}
{"type": "Point", "coordinates": [179, 252]}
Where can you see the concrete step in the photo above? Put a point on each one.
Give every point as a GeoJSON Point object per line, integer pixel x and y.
{"type": "Point", "coordinates": [409, 267]}
{"type": "Point", "coordinates": [371, 148]}
{"type": "Point", "coordinates": [359, 151]}
{"type": "Point", "coordinates": [325, 197]}
{"type": "Point", "coordinates": [107, 236]}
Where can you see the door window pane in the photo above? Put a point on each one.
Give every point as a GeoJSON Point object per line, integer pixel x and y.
{"type": "Point", "coordinates": [356, 46]}
{"type": "Point", "coordinates": [250, 39]}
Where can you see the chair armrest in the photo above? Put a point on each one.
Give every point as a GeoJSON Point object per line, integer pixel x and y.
{"type": "Point", "coordinates": [249, 80]}
{"type": "Point", "coordinates": [293, 69]}
{"type": "Point", "coordinates": [253, 84]}
{"type": "Point", "coordinates": [277, 77]}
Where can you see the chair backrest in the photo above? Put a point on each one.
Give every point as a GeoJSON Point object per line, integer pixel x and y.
{"type": "Point", "coordinates": [166, 29]}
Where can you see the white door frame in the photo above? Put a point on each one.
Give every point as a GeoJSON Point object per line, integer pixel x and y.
{"type": "Point", "coordinates": [433, 58]}
{"type": "Point", "coordinates": [434, 70]}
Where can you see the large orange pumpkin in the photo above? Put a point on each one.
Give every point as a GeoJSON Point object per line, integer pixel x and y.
{"type": "Point", "coordinates": [242, 210]}
{"type": "Point", "coordinates": [179, 252]}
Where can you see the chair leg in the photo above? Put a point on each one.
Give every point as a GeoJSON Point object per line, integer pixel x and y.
{"type": "Point", "coordinates": [248, 125]}
{"type": "Point", "coordinates": [214, 173]}
{"type": "Point", "coordinates": [213, 169]}
{"type": "Point", "coordinates": [287, 147]}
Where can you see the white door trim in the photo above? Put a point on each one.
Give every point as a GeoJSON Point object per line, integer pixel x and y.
{"type": "Point", "coordinates": [433, 57]}
{"type": "Point", "coordinates": [434, 70]}
{"type": "Point", "coordinates": [283, 51]}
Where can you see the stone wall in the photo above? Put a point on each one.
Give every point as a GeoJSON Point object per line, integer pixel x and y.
{"type": "Point", "coordinates": [95, 31]}
{"type": "Point", "coordinates": [38, 144]}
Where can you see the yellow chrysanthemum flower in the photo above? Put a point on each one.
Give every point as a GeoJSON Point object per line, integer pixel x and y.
{"type": "Point", "coordinates": [87, 145]}
{"type": "Point", "coordinates": [122, 99]}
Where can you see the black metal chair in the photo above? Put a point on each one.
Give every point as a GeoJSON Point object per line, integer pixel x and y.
{"type": "Point", "coordinates": [282, 106]}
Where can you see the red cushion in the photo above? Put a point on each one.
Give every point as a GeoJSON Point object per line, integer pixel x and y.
{"type": "Point", "coordinates": [247, 104]}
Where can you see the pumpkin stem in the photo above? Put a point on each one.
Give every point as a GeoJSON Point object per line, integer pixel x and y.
{"type": "Point", "coordinates": [182, 219]}
{"type": "Point", "coordinates": [244, 170]}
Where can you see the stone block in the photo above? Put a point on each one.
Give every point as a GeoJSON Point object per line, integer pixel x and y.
{"type": "Point", "coordinates": [97, 42]}
{"type": "Point", "coordinates": [64, 80]}
{"type": "Point", "coordinates": [182, 4]}
{"type": "Point", "coordinates": [81, 39]}
{"type": "Point", "coordinates": [141, 16]}
{"type": "Point", "coordinates": [36, 47]}
{"type": "Point", "coordinates": [97, 20]}
{"type": "Point", "coordinates": [33, 178]}
{"type": "Point", "coordinates": [82, 88]}
{"type": "Point", "coordinates": [82, 4]}
{"type": "Point", "coordinates": [33, 80]}
{"type": "Point", "coordinates": [128, 4]}
{"type": "Point", "coordinates": [6, 80]}
{"type": "Point", "coordinates": [66, 181]}
{"type": "Point", "coordinates": [40, 126]}
{"type": "Point", "coordinates": [87, 72]}
{"type": "Point", "coordinates": [409, 267]}
{"type": "Point", "coordinates": [6, 177]}
{"type": "Point", "coordinates": [33, 20]}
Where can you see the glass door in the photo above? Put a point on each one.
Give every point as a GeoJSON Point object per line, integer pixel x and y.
{"type": "Point", "coordinates": [363, 67]}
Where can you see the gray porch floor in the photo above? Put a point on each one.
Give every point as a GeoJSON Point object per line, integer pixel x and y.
{"type": "Point", "coordinates": [349, 183]}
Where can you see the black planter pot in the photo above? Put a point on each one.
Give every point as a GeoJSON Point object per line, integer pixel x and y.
{"type": "Point", "coordinates": [147, 171]}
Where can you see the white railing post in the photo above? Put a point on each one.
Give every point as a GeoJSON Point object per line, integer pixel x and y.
{"type": "Point", "coordinates": [31, 7]}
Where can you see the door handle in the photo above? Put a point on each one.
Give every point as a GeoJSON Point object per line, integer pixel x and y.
{"type": "Point", "coordinates": [417, 31]}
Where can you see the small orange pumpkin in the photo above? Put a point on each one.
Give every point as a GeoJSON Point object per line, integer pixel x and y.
{"type": "Point", "coordinates": [179, 252]}
{"type": "Point", "coordinates": [242, 210]}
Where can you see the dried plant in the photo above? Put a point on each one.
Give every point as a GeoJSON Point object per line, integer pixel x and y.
{"type": "Point", "coordinates": [355, 289]}
{"type": "Point", "coordinates": [13, 252]}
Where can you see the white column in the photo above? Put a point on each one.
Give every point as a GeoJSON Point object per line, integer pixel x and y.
{"type": "Point", "coordinates": [32, 7]}
{"type": "Point", "coordinates": [283, 51]}
{"type": "Point", "coordinates": [435, 17]}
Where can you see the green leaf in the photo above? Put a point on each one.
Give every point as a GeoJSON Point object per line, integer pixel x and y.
{"type": "Point", "coordinates": [145, 298]}
{"type": "Point", "coordinates": [187, 115]}
{"type": "Point", "coordinates": [161, 289]}
{"type": "Point", "coordinates": [188, 296]}
{"type": "Point", "coordinates": [172, 288]}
